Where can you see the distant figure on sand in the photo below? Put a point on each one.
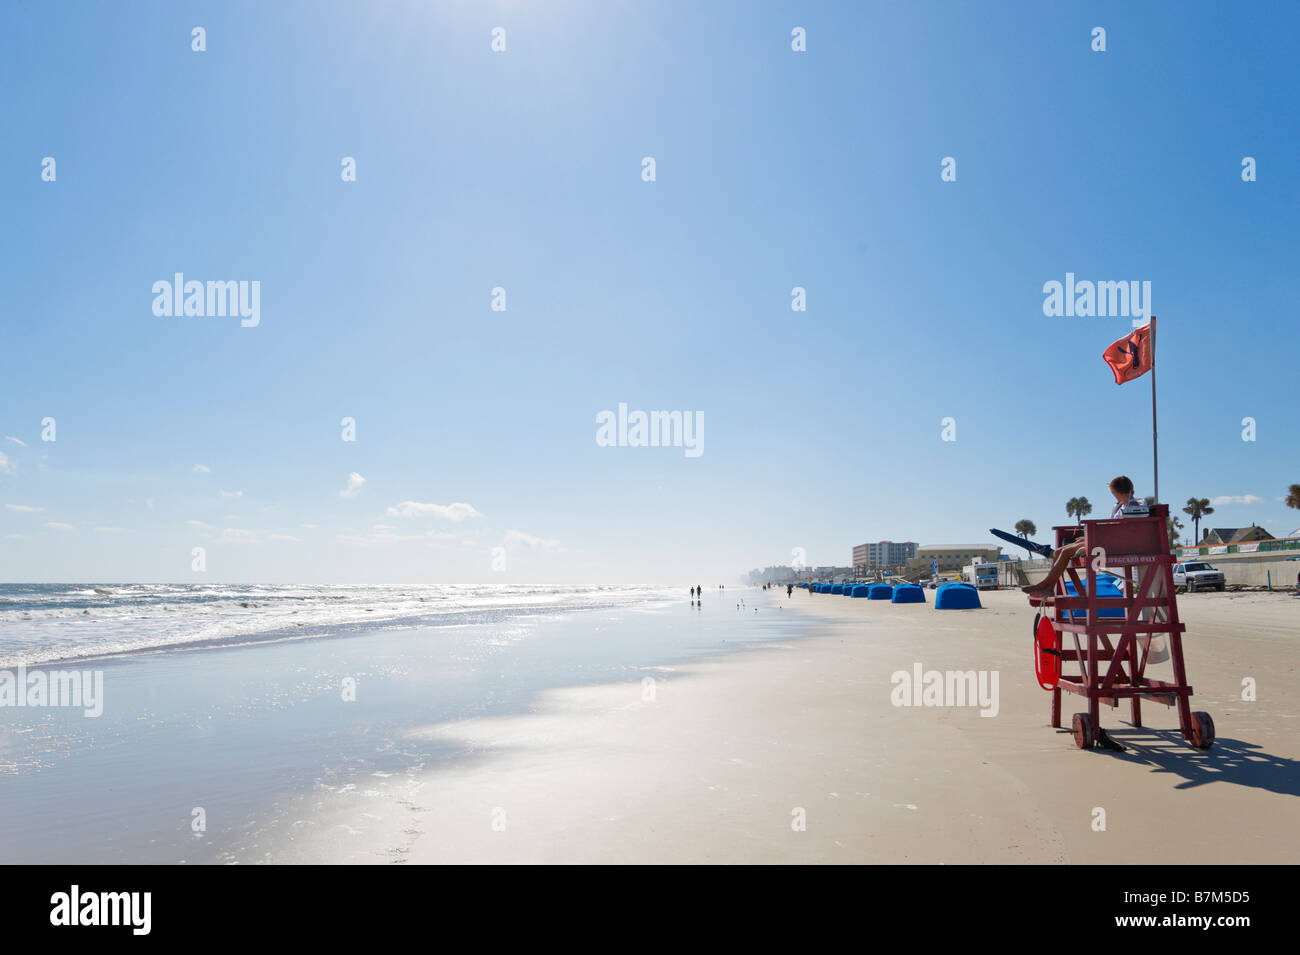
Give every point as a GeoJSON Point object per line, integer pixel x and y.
{"type": "Point", "coordinates": [789, 589]}
{"type": "Point", "coordinates": [692, 593]}
{"type": "Point", "coordinates": [1122, 488]}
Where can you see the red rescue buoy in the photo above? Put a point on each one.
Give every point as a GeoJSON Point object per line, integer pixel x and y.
{"type": "Point", "coordinates": [1047, 654]}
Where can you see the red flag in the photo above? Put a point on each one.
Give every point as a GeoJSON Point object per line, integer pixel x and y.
{"type": "Point", "coordinates": [1130, 357]}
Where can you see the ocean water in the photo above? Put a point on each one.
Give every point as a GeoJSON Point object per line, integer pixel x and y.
{"type": "Point", "coordinates": [44, 623]}
{"type": "Point", "coordinates": [239, 713]}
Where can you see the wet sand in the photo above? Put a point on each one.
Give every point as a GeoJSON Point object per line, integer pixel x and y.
{"type": "Point", "coordinates": [720, 759]}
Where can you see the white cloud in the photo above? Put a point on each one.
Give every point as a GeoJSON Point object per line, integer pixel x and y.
{"type": "Point", "coordinates": [205, 526]}
{"type": "Point", "coordinates": [232, 493]}
{"type": "Point", "coordinates": [58, 526]}
{"type": "Point", "coordinates": [202, 469]}
{"type": "Point", "coordinates": [457, 512]}
{"type": "Point", "coordinates": [16, 537]}
{"type": "Point", "coordinates": [310, 527]}
{"type": "Point", "coordinates": [21, 444]}
{"type": "Point", "coordinates": [286, 537]}
{"type": "Point", "coordinates": [1235, 499]}
{"type": "Point", "coordinates": [111, 530]}
{"type": "Point", "coordinates": [355, 483]}
{"type": "Point", "coordinates": [23, 507]}
{"type": "Point", "coordinates": [381, 536]}
{"type": "Point", "coordinates": [233, 535]}
{"type": "Point", "coordinates": [386, 534]}
{"type": "Point", "coordinates": [519, 538]}
{"type": "Point", "coordinates": [5, 466]}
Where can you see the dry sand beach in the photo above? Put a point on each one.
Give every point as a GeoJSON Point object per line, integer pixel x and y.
{"type": "Point", "coordinates": [731, 751]}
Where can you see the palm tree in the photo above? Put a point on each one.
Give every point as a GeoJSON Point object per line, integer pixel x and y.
{"type": "Point", "coordinates": [1173, 525]}
{"type": "Point", "coordinates": [1198, 507]}
{"type": "Point", "coordinates": [1293, 496]}
{"type": "Point", "coordinates": [1026, 528]}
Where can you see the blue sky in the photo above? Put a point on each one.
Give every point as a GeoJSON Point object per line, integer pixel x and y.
{"type": "Point", "coordinates": [522, 169]}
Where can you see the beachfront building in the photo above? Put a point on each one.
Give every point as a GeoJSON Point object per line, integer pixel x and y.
{"type": "Point", "coordinates": [776, 574]}
{"type": "Point", "coordinates": [828, 573]}
{"type": "Point", "coordinates": [950, 557]}
{"type": "Point", "coordinates": [1233, 535]}
{"type": "Point", "coordinates": [860, 558]}
{"type": "Point", "coordinates": [882, 555]}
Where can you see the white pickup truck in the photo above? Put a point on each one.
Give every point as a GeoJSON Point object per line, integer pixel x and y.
{"type": "Point", "coordinates": [1194, 575]}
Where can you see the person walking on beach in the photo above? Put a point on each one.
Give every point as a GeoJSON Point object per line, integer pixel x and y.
{"type": "Point", "coordinates": [789, 589]}
{"type": "Point", "coordinates": [692, 595]}
{"type": "Point", "coordinates": [1122, 488]}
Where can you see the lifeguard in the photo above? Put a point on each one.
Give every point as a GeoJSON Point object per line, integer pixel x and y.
{"type": "Point", "coordinates": [1122, 488]}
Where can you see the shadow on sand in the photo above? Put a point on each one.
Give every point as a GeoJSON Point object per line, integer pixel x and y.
{"type": "Point", "coordinates": [1227, 761]}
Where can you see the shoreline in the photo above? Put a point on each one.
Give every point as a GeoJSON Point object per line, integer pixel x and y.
{"type": "Point", "coordinates": [263, 617]}
{"type": "Point", "coordinates": [763, 721]}
{"type": "Point", "coordinates": [714, 768]}
{"type": "Point", "coordinates": [240, 731]}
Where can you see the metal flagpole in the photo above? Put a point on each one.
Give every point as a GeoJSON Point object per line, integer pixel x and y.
{"type": "Point", "coordinates": [1155, 443]}
{"type": "Point", "coordinates": [1156, 645]}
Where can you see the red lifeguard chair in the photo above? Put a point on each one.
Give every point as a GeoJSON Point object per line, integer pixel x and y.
{"type": "Point", "coordinates": [1072, 628]}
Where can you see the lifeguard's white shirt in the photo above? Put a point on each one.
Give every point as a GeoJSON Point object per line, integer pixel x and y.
{"type": "Point", "coordinates": [1118, 509]}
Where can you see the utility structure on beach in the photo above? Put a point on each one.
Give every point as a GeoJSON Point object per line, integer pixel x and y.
{"type": "Point", "coordinates": [1142, 616]}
